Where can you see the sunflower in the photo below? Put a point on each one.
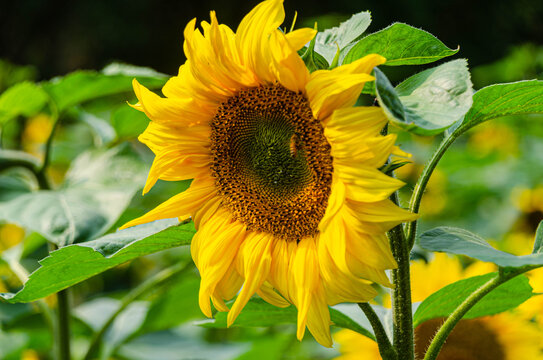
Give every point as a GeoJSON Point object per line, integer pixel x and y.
{"type": "Point", "coordinates": [286, 197]}
{"type": "Point", "coordinates": [505, 336]}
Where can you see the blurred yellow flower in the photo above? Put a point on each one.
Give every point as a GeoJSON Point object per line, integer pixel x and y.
{"type": "Point", "coordinates": [492, 137]}
{"type": "Point", "coordinates": [36, 133]}
{"type": "Point", "coordinates": [287, 197]}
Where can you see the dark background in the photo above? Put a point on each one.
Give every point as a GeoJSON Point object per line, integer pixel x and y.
{"type": "Point", "coordinates": [60, 36]}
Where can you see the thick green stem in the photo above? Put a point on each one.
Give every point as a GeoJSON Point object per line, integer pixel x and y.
{"type": "Point", "coordinates": [466, 305]}
{"type": "Point", "coordinates": [63, 328]}
{"type": "Point", "coordinates": [135, 293]}
{"type": "Point", "coordinates": [386, 349]}
{"type": "Point", "coordinates": [49, 144]}
{"type": "Point", "coordinates": [402, 313]}
{"type": "Point", "coordinates": [62, 323]}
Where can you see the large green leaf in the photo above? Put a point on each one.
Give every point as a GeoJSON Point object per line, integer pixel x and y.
{"type": "Point", "coordinates": [258, 313]}
{"type": "Point", "coordinates": [462, 242]}
{"type": "Point", "coordinates": [179, 344]}
{"type": "Point", "coordinates": [428, 102]}
{"type": "Point", "coordinates": [401, 44]}
{"type": "Point", "coordinates": [72, 264]}
{"type": "Point", "coordinates": [443, 302]}
{"type": "Point", "coordinates": [97, 189]}
{"type": "Point", "coordinates": [24, 99]}
{"type": "Point", "coordinates": [81, 86]}
{"type": "Point", "coordinates": [330, 41]}
{"type": "Point", "coordinates": [523, 97]}
{"type": "Point", "coordinates": [128, 122]}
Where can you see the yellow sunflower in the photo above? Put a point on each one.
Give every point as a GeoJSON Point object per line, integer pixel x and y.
{"type": "Point", "coordinates": [287, 198]}
{"type": "Point", "coordinates": [505, 336]}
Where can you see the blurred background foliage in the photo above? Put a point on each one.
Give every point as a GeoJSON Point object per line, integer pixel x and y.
{"type": "Point", "coordinates": [490, 182]}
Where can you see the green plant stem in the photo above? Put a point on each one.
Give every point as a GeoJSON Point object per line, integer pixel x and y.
{"type": "Point", "coordinates": [135, 293]}
{"type": "Point", "coordinates": [386, 349]}
{"type": "Point", "coordinates": [422, 182]}
{"type": "Point", "coordinates": [447, 327]}
{"type": "Point", "coordinates": [62, 324]}
{"type": "Point", "coordinates": [49, 144]}
{"type": "Point", "coordinates": [402, 312]}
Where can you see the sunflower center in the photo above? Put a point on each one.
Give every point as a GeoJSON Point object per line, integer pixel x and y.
{"type": "Point", "coordinates": [271, 161]}
{"type": "Point", "coordinates": [471, 339]}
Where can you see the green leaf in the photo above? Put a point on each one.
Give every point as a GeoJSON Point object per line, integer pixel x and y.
{"type": "Point", "coordinates": [329, 41]}
{"type": "Point", "coordinates": [72, 264]}
{"type": "Point", "coordinates": [462, 242]}
{"type": "Point", "coordinates": [81, 86]}
{"type": "Point", "coordinates": [183, 343]}
{"type": "Point", "coordinates": [164, 310]}
{"type": "Point", "coordinates": [103, 131]}
{"type": "Point", "coordinates": [128, 122]}
{"type": "Point", "coordinates": [401, 44]}
{"type": "Point", "coordinates": [97, 189]}
{"type": "Point", "coordinates": [538, 243]}
{"type": "Point", "coordinates": [428, 102]}
{"type": "Point", "coordinates": [443, 302]}
{"type": "Point", "coordinates": [258, 313]}
{"type": "Point", "coordinates": [494, 101]}
{"type": "Point", "coordinates": [24, 99]}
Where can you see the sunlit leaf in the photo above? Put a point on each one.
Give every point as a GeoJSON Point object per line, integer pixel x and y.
{"type": "Point", "coordinates": [401, 44]}
{"type": "Point", "coordinates": [72, 264]}
{"type": "Point", "coordinates": [24, 99]}
{"type": "Point", "coordinates": [494, 101]}
{"type": "Point", "coordinates": [81, 86]}
{"type": "Point", "coordinates": [443, 302]}
{"type": "Point", "coordinates": [428, 102]}
{"type": "Point", "coordinates": [330, 41]}
{"type": "Point", "coordinates": [538, 243]}
{"type": "Point", "coordinates": [462, 242]}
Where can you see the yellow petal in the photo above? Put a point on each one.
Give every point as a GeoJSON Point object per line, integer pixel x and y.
{"type": "Point", "coordinates": [267, 293]}
{"type": "Point", "coordinates": [300, 37]}
{"type": "Point", "coordinates": [252, 36]}
{"type": "Point", "coordinates": [318, 318]}
{"type": "Point", "coordinates": [329, 90]}
{"type": "Point", "coordinates": [306, 277]}
{"type": "Point", "coordinates": [366, 184]}
{"type": "Point", "coordinates": [255, 258]}
{"type": "Point", "coordinates": [181, 205]}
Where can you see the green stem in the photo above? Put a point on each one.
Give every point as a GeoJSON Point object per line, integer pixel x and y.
{"type": "Point", "coordinates": [135, 293]}
{"type": "Point", "coordinates": [466, 305]}
{"type": "Point", "coordinates": [422, 182]}
{"type": "Point", "coordinates": [62, 325]}
{"type": "Point", "coordinates": [63, 328]}
{"type": "Point", "coordinates": [49, 144]}
{"type": "Point", "coordinates": [386, 349]}
{"type": "Point", "coordinates": [402, 312]}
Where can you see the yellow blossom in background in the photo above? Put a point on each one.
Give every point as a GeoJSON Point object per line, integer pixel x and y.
{"type": "Point", "coordinates": [287, 198]}
{"type": "Point", "coordinates": [435, 197]}
{"type": "Point", "coordinates": [10, 235]}
{"type": "Point", "coordinates": [505, 336]}
{"type": "Point", "coordinates": [493, 137]}
{"type": "Point", "coordinates": [36, 133]}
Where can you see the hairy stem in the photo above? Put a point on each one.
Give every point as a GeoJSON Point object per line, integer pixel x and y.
{"type": "Point", "coordinates": [386, 349]}
{"type": "Point", "coordinates": [135, 293]}
{"type": "Point", "coordinates": [402, 312]}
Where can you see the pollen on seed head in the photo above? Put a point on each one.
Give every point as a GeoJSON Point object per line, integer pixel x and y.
{"type": "Point", "coordinates": [271, 161]}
